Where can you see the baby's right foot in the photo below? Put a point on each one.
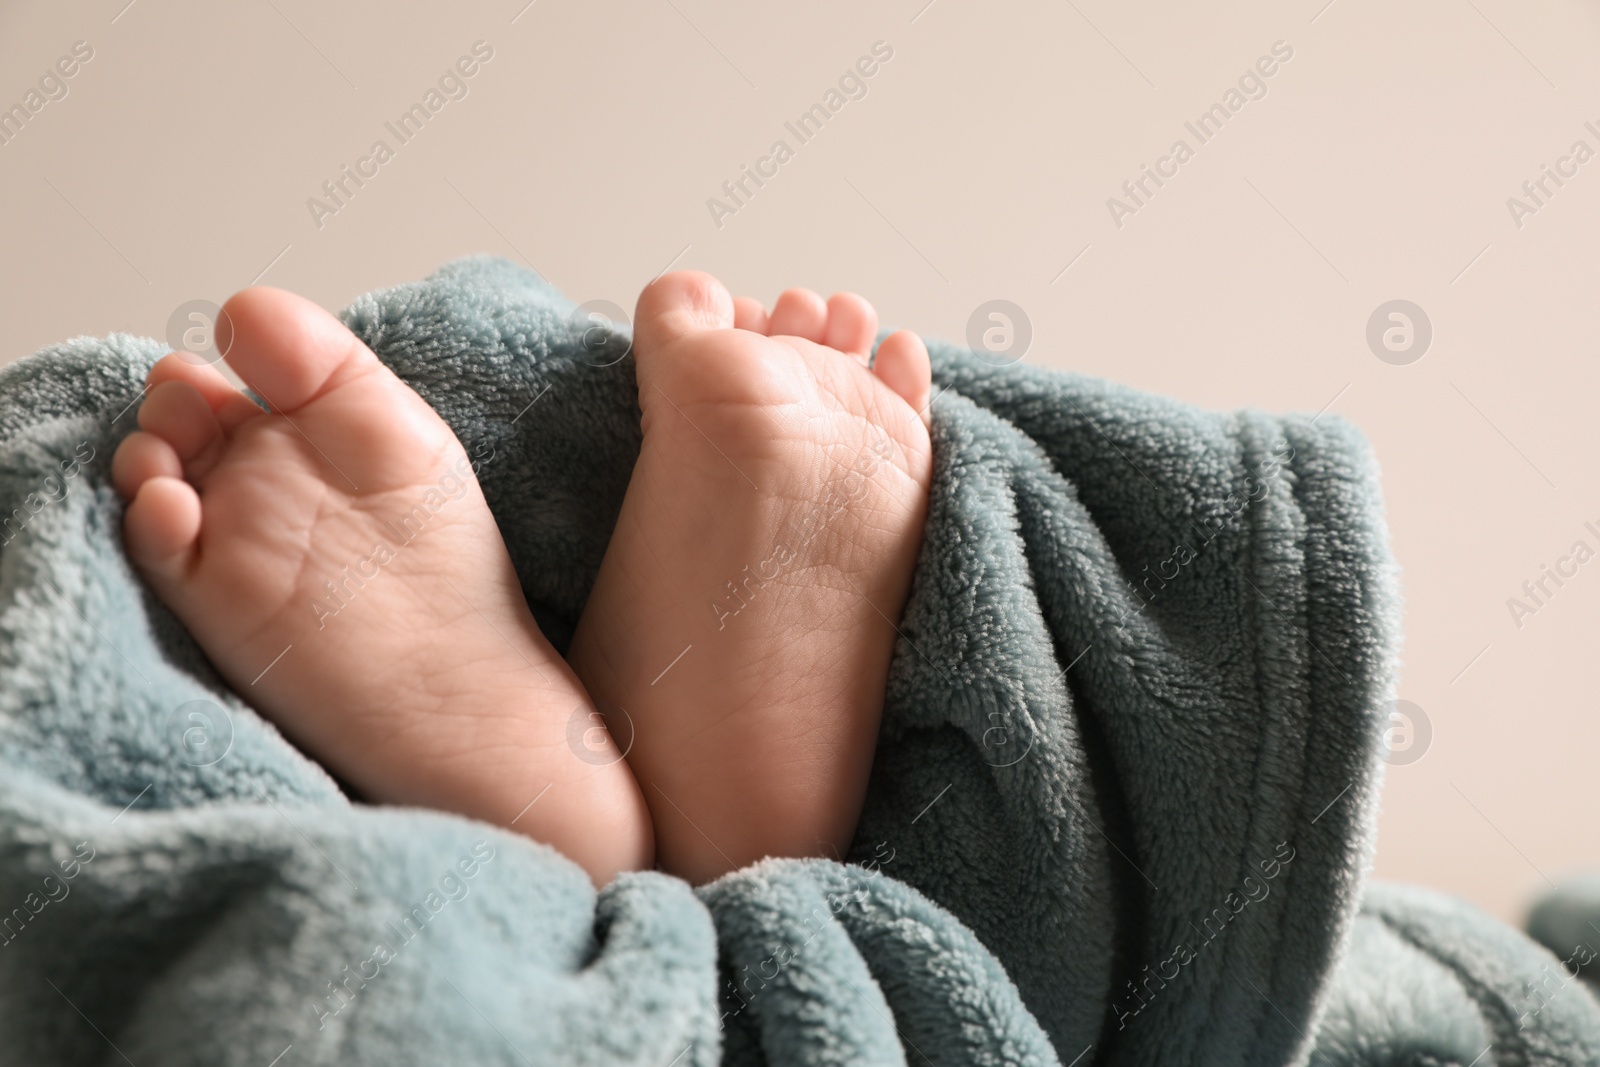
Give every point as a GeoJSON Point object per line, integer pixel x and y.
{"type": "Point", "coordinates": [742, 616]}
{"type": "Point", "coordinates": [337, 562]}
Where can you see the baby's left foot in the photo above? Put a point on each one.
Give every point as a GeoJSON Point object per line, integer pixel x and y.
{"type": "Point", "coordinates": [743, 616]}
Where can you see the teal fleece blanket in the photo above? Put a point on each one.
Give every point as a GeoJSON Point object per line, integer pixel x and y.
{"type": "Point", "coordinates": [1120, 813]}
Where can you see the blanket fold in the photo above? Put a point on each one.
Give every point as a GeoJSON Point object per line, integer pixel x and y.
{"type": "Point", "coordinates": [1120, 812]}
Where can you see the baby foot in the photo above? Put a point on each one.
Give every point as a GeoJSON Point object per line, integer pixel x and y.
{"type": "Point", "coordinates": [743, 616]}
{"type": "Point", "coordinates": [337, 562]}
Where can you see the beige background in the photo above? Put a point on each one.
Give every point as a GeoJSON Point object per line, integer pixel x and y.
{"type": "Point", "coordinates": [179, 164]}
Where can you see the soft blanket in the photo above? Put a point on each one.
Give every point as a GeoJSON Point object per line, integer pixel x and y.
{"type": "Point", "coordinates": [1121, 809]}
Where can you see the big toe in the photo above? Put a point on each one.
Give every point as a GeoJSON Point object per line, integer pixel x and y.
{"type": "Point", "coordinates": [286, 348]}
{"type": "Point", "coordinates": [679, 304]}
{"type": "Point", "coordinates": [354, 414]}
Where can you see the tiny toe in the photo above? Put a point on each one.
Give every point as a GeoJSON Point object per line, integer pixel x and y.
{"type": "Point", "coordinates": [748, 314]}
{"type": "Point", "coordinates": [206, 379]}
{"type": "Point", "coordinates": [902, 365]}
{"type": "Point", "coordinates": [177, 413]}
{"type": "Point", "coordinates": [230, 406]}
{"type": "Point", "coordinates": [161, 525]}
{"type": "Point", "coordinates": [852, 324]}
{"type": "Point", "coordinates": [680, 303]}
{"type": "Point", "coordinates": [236, 411]}
{"type": "Point", "coordinates": [140, 457]}
{"type": "Point", "coordinates": [799, 313]}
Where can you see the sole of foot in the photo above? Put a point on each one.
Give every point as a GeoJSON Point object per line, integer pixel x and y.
{"type": "Point", "coordinates": [335, 558]}
{"type": "Point", "coordinates": [744, 615]}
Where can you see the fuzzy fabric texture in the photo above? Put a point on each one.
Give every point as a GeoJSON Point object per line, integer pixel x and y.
{"type": "Point", "coordinates": [1567, 922]}
{"type": "Point", "coordinates": [1120, 813]}
{"type": "Point", "coordinates": [1431, 980]}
